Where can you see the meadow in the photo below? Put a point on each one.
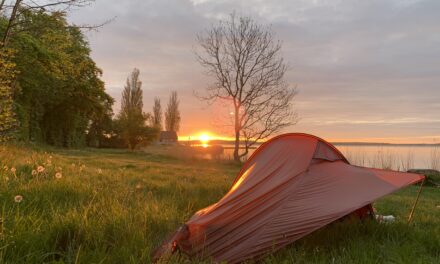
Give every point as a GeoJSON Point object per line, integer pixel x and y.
{"type": "Point", "coordinates": [116, 206]}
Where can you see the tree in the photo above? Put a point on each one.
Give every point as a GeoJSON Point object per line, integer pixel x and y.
{"type": "Point", "coordinates": [157, 114]}
{"type": "Point", "coordinates": [8, 121]}
{"type": "Point", "coordinates": [132, 120]}
{"type": "Point", "coordinates": [57, 90]}
{"type": "Point", "coordinates": [101, 128]}
{"type": "Point", "coordinates": [19, 7]}
{"type": "Point", "coordinates": [248, 69]}
{"type": "Point", "coordinates": [172, 113]}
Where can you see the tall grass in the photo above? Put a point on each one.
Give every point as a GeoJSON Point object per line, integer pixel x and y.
{"type": "Point", "coordinates": [407, 161]}
{"type": "Point", "coordinates": [435, 158]}
{"type": "Point", "coordinates": [391, 159]}
{"type": "Point", "coordinates": [113, 206]}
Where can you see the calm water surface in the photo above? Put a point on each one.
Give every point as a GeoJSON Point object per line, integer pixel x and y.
{"type": "Point", "coordinates": [396, 157]}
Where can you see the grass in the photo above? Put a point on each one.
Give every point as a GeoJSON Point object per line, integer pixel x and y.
{"type": "Point", "coordinates": [114, 206]}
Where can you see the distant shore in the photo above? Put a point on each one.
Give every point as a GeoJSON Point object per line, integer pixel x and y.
{"type": "Point", "coordinates": [354, 143]}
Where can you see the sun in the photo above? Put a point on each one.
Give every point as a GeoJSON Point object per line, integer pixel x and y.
{"type": "Point", "coordinates": [204, 138]}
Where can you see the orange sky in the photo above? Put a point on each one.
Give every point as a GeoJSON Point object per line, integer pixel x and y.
{"type": "Point", "coordinates": [365, 70]}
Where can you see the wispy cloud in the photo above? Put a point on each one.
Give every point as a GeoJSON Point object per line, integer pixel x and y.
{"type": "Point", "coordinates": [378, 122]}
{"type": "Point", "coordinates": [362, 67]}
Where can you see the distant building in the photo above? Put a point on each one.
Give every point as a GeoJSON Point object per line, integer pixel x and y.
{"type": "Point", "coordinates": [168, 137]}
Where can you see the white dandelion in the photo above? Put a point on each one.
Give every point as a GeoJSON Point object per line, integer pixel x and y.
{"type": "Point", "coordinates": [18, 198]}
{"type": "Point", "coordinates": [58, 175]}
{"type": "Point", "coordinates": [40, 169]}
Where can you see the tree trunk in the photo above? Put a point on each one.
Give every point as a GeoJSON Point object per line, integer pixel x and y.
{"type": "Point", "coordinates": [8, 29]}
{"type": "Point", "coordinates": [1, 4]}
{"type": "Point", "coordinates": [237, 134]}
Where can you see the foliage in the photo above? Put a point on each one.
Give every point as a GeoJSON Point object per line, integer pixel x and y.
{"type": "Point", "coordinates": [59, 93]}
{"type": "Point", "coordinates": [156, 120]}
{"type": "Point", "coordinates": [132, 120]}
{"type": "Point", "coordinates": [172, 113]}
{"type": "Point", "coordinates": [8, 121]}
{"type": "Point", "coordinates": [115, 206]}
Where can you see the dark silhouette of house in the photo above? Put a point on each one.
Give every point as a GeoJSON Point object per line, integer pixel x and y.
{"type": "Point", "coordinates": [168, 137]}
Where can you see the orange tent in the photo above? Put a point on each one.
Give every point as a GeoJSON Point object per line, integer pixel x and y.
{"type": "Point", "coordinates": [291, 186]}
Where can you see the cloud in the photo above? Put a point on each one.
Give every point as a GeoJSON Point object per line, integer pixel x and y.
{"type": "Point", "coordinates": [360, 66]}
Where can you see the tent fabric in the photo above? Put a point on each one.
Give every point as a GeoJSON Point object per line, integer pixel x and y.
{"type": "Point", "coordinates": [291, 186]}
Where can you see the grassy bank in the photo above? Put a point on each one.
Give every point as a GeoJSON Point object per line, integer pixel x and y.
{"type": "Point", "coordinates": [113, 206]}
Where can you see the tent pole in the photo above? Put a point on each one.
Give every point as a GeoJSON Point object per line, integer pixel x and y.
{"type": "Point", "coordinates": [415, 202]}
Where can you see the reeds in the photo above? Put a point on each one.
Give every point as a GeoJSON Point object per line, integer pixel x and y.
{"type": "Point", "coordinates": [382, 158]}
{"type": "Point", "coordinates": [435, 158]}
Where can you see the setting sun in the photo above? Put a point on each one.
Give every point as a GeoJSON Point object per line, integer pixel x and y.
{"type": "Point", "coordinates": [204, 138]}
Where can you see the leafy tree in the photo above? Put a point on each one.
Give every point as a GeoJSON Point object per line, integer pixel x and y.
{"type": "Point", "coordinates": [18, 7]}
{"type": "Point", "coordinates": [157, 114]}
{"type": "Point", "coordinates": [102, 128]}
{"type": "Point", "coordinates": [58, 90]}
{"type": "Point", "coordinates": [172, 113]}
{"type": "Point", "coordinates": [7, 117]}
{"type": "Point", "coordinates": [132, 120]}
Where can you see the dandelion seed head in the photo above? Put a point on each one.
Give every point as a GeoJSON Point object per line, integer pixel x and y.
{"type": "Point", "coordinates": [18, 198]}
{"type": "Point", "coordinates": [34, 172]}
{"type": "Point", "coordinates": [58, 175]}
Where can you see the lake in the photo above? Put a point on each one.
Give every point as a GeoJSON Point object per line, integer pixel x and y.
{"type": "Point", "coordinates": [396, 157]}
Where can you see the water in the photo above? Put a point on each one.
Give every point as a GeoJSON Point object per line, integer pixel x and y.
{"type": "Point", "coordinates": [395, 157]}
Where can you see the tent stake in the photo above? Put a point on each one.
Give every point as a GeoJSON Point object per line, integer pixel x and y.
{"type": "Point", "coordinates": [415, 202]}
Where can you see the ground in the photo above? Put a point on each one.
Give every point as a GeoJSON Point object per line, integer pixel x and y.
{"type": "Point", "coordinates": [115, 206]}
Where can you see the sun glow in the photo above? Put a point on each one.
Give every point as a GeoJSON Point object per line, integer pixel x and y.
{"type": "Point", "coordinates": [204, 138]}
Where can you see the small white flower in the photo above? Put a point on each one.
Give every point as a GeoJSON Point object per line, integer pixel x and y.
{"type": "Point", "coordinates": [18, 198]}
{"type": "Point", "coordinates": [58, 175]}
{"type": "Point", "coordinates": [40, 169]}
{"type": "Point", "coordinates": [34, 172]}
{"type": "Point", "coordinates": [13, 170]}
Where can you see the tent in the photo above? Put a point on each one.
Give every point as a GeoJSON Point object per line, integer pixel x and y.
{"type": "Point", "coordinates": [291, 186]}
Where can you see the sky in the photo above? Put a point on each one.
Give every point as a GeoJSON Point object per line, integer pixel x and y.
{"type": "Point", "coordinates": [365, 70]}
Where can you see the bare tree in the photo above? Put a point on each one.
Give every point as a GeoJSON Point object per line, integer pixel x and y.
{"type": "Point", "coordinates": [246, 63]}
{"type": "Point", "coordinates": [157, 114]}
{"type": "Point", "coordinates": [2, 3]}
{"type": "Point", "coordinates": [172, 113]}
{"type": "Point", "coordinates": [11, 21]}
